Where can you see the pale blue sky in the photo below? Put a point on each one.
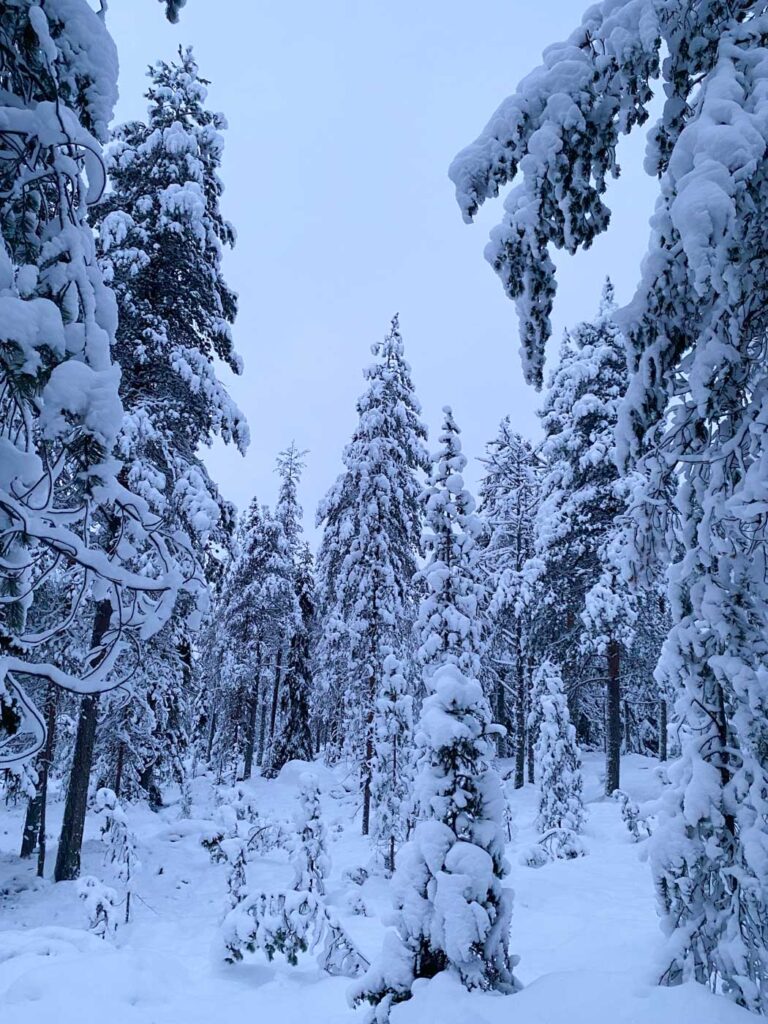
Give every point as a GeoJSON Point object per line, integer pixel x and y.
{"type": "Point", "coordinates": [343, 119]}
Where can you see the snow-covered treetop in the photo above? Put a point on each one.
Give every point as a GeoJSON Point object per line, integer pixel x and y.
{"type": "Point", "coordinates": [449, 614]}
{"type": "Point", "coordinates": [161, 235]}
{"type": "Point", "coordinates": [371, 514]}
{"type": "Point", "coordinates": [290, 464]}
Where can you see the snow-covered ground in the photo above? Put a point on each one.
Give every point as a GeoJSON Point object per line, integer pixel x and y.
{"type": "Point", "coordinates": [585, 930]}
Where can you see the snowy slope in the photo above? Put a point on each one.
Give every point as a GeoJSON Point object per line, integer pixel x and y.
{"type": "Point", "coordinates": [586, 930]}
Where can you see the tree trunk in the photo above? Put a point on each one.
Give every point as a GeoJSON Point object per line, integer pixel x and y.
{"type": "Point", "coordinates": [627, 728]}
{"type": "Point", "coordinates": [276, 692]}
{"type": "Point", "coordinates": [520, 716]}
{"type": "Point", "coordinates": [73, 823]}
{"type": "Point", "coordinates": [119, 769]}
{"type": "Point", "coordinates": [211, 735]}
{"type": "Point", "coordinates": [662, 730]}
{"type": "Point", "coordinates": [262, 732]}
{"type": "Point", "coordinates": [45, 772]}
{"type": "Point", "coordinates": [613, 720]}
{"type": "Point", "coordinates": [367, 767]}
{"type": "Point", "coordinates": [251, 736]}
{"type": "Point", "coordinates": [34, 821]}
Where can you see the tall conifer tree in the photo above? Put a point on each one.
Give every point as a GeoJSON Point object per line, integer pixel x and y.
{"type": "Point", "coordinates": [367, 561]}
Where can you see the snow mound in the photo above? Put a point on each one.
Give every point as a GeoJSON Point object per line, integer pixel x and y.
{"type": "Point", "coordinates": [583, 997]}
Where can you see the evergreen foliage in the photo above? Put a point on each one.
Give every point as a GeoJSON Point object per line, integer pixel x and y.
{"type": "Point", "coordinates": [561, 807]}
{"type": "Point", "coordinates": [367, 559]}
{"type": "Point", "coordinates": [452, 911]}
{"type": "Point", "coordinates": [693, 425]}
{"type": "Point", "coordinates": [393, 768]}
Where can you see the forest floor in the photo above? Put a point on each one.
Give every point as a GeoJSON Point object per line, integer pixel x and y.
{"type": "Point", "coordinates": [586, 930]}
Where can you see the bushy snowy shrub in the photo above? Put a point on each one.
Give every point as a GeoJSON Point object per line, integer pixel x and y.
{"type": "Point", "coordinates": [561, 808]}
{"type": "Point", "coordinates": [122, 851]}
{"type": "Point", "coordinates": [236, 852]}
{"type": "Point", "coordinates": [391, 779]}
{"type": "Point", "coordinates": [556, 844]}
{"type": "Point", "coordinates": [309, 855]}
{"type": "Point", "coordinates": [637, 826]}
{"type": "Point", "coordinates": [357, 875]}
{"type": "Point", "coordinates": [356, 904]}
{"type": "Point", "coordinates": [100, 906]}
{"type": "Point", "coordinates": [286, 922]}
{"type": "Point", "coordinates": [452, 911]}
{"type": "Point", "coordinates": [290, 923]}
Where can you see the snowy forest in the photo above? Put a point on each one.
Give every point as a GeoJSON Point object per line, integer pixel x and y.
{"type": "Point", "coordinates": [483, 737]}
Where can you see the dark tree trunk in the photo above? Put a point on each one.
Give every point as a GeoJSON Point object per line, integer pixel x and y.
{"type": "Point", "coordinates": [251, 736]}
{"type": "Point", "coordinates": [276, 692]}
{"type": "Point", "coordinates": [262, 732]}
{"type": "Point", "coordinates": [31, 831]}
{"type": "Point", "coordinates": [119, 769]}
{"type": "Point", "coordinates": [520, 729]}
{"type": "Point", "coordinates": [627, 728]}
{"type": "Point", "coordinates": [34, 823]}
{"type": "Point", "coordinates": [150, 787]}
{"type": "Point", "coordinates": [613, 720]}
{"type": "Point", "coordinates": [211, 735]}
{"type": "Point", "coordinates": [73, 823]}
{"type": "Point", "coordinates": [662, 730]}
{"type": "Point", "coordinates": [45, 772]}
{"type": "Point", "coordinates": [367, 766]}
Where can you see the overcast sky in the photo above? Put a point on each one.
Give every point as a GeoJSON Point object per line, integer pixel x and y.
{"type": "Point", "coordinates": [343, 118]}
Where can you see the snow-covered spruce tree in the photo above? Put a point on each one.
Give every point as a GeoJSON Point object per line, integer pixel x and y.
{"type": "Point", "coordinates": [509, 497]}
{"type": "Point", "coordinates": [309, 853]}
{"type": "Point", "coordinates": [560, 815]}
{"type": "Point", "coordinates": [694, 422]}
{"type": "Point", "coordinates": [392, 772]}
{"type": "Point", "coordinates": [367, 560]}
{"type": "Point", "coordinates": [63, 500]}
{"type": "Point", "coordinates": [290, 719]}
{"type": "Point", "coordinates": [122, 850]}
{"type": "Point", "coordinates": [244, 636]}
{"type": "Point", "coordinates": [293, 739]}
{"type": "Point", "coordinates": [452, 911]}
{"type": "Point", "coordinates": [449, 625]}
{"type": "Point", "coordinates": [582, 611]}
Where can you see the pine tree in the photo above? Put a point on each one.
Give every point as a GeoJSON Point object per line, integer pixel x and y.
{"type": "Point", "coordinates": [245, 636]}
{"type": "Point", "coordinates": [694, 418]}
{"type": "Point", "coordinates": [293, 741]}
{"type": "Point", "coordinates": [450, 613]}
{"type": "Point", "coordinates": [452, 911]}
{"type": "Point", "coordinates": [367, 559]}
{"type": "Point", "coordinates": [561, 808]}
{"type": "Point", "coordinates": [309, 855]}
{"type": "Point", "coordinates": [392, 772]}
{"type": "Point", "coordinates": [122, 851]}
{"type": "Point", "coordinates": [509, 498]}
{"type": "Point", "coordinates": [290, 732]}
{"type": "Point", "coordinates": [161, 236]}
{"type": "Point", "coordinates": [583, 611]}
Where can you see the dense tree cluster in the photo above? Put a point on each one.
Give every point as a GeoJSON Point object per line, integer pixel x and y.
{"type": "Point", "coordinates": [606, 593]}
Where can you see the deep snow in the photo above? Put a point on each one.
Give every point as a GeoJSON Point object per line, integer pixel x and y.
{"type": "Point", "coordinates": [586, 930]}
